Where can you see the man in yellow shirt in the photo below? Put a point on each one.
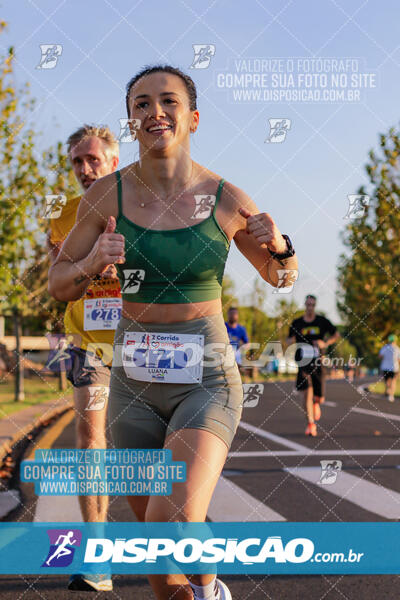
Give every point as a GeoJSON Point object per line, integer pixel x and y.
{"type": "Point", "coordinates": [90, 322]}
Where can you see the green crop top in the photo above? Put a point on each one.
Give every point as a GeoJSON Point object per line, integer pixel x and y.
{"type": "Point", "coordinates": [174, 266]}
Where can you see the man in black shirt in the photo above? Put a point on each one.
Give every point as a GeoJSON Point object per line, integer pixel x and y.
{"type": "Point", "coordinates": [309, 331]}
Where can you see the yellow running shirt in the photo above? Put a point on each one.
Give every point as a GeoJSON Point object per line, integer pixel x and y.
{"type": "Point", "coordinates": [95, 316]}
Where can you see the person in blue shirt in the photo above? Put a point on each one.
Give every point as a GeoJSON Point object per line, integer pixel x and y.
{"type": "Point", "coordinates": [237, 333]}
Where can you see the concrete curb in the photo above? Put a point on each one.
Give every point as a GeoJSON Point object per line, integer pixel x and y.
{"type": "Point", "coordinates": [7, 446]}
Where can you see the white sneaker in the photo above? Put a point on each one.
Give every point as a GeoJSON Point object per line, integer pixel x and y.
{"type": "Point", "coordinates": [391, 398]}
{"type": "Point", "coordinates": [223, 591]}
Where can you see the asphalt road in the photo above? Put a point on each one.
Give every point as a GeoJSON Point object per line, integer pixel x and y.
{"type": "Point", "coordinates": [269, 475]}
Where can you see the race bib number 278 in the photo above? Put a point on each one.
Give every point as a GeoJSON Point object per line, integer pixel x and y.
{"type": "Point", "coordinates": [103, 313]}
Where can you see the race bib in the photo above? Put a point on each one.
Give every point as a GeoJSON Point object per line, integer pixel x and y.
{"type": "Point", "coordinates": [238, 356]}
{"type": "Point", "coordinates": [310, 351]}
{"type": "Point", "coordinates": [306, 353]}
{"type": "Point", "coordinates": [163, 357]}
{"type": "Point", "coordinates": [103, 313]}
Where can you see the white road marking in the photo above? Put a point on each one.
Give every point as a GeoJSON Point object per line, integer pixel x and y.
{"type": "Point", "coordinates": [272, 436]}
{"type": "Point", "coordinates": [231, 503]}
{"type": "Point", "coordinates": [311, 452]}
{"type": "Point", "coordinates": [376, 413]}
{"type": "Point", "coordinates": [369, 496]}
{"type": "Point", "coordinates": [58, 508]}
{"type": "Point", "coordinates": [328, 403]}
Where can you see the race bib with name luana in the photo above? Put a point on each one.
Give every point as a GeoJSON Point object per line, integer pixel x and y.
{"type": "Point", "coordinates": [163, 357]}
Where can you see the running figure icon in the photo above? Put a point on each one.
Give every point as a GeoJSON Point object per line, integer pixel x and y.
{"type": "Point", "coordinates": [62, 550]}
{"type": "Point", "coordinates": [50, 55]}
{"type": "Point", "coordinates": [132, 280]}
{"type": "Point", "coordinates": [202, 55]}
{"type": "Point", "coordinates": [330, 471]}
{"type": "Point", "coordinates": [204, 204]}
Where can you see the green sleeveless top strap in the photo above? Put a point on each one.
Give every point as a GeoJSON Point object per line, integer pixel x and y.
{"type": "Point", "coordinates": [119, 191]}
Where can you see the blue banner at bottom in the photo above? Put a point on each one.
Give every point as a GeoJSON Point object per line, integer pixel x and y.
{"type": "Point", "coordinates": [234, 548]}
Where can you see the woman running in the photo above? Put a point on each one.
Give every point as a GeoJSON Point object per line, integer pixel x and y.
{"type": "Point", "coordinates": [166, 222]}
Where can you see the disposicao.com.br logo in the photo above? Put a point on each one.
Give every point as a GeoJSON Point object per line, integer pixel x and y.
{"type": "Point", "coordinates": [213, 550]}
{"type": "Point", "coordinates": [226, 547]}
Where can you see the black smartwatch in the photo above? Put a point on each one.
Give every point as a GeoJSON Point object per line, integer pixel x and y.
{"type": "Point", "coordinates": [290, 251]}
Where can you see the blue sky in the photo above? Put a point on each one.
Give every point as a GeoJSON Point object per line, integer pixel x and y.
{"type": "Point", "coordinates": [302, 182]}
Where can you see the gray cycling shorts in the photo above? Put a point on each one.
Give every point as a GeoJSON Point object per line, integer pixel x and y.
{"type": "Point", "coordinates": [142, 414]}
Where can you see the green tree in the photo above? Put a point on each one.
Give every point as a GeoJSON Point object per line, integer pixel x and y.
{"type": "Point", "coordinates": [259, 326]}
{"type": "Point", "coordinates": [286, 311]}
{"type": "Point", "coordinates": [369, 272]}
{"type": "Point", "coordinates": [343, 348]}
{"type": "Point", "coordinates": [44, 310]}
{"type": "Point", "coordinates": [26, 177]}
{"type": "Point", "coordinates": [228, 297]}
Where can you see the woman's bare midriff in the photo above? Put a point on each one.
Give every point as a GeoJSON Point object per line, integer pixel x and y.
{"type": "Point", "coordinates": [170, 313]}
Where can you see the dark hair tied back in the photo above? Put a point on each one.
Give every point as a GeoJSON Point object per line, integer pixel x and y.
{"type": "Point", "coordinates": [188, 81]}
